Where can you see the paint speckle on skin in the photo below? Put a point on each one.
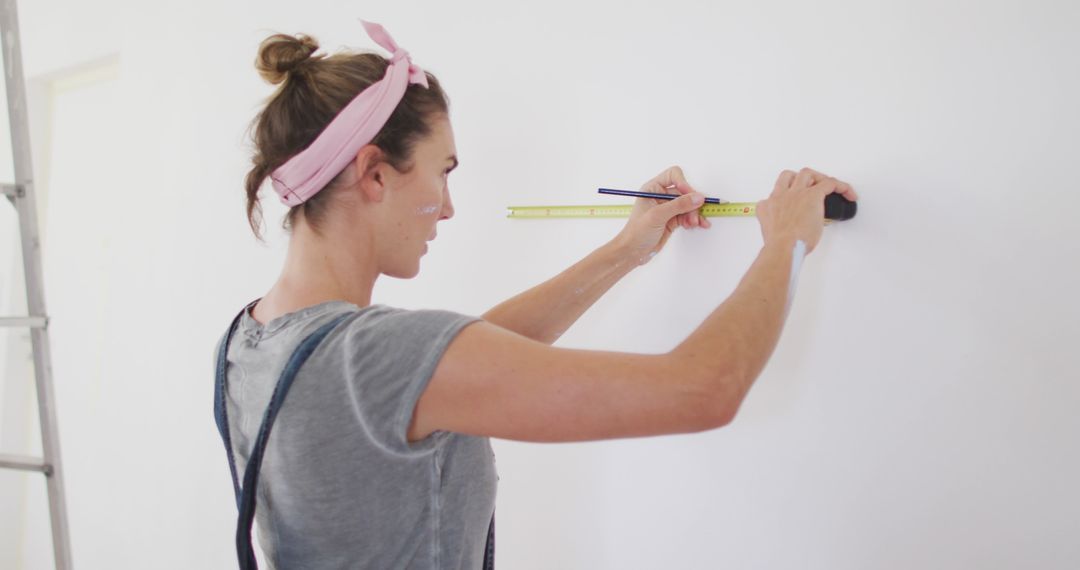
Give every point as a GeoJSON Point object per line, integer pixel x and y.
{"type": "Point", "coordinates": [648, 258]}
{"type": "Point", "coordinates": [797, 256]}
{"type": "Point", "coordinates": [427, 210]}
{"type": "Point", "coordinates": [579, 291]}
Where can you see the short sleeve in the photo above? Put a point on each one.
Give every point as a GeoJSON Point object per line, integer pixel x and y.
{"type": "Point", "coordinates": [391, 355]}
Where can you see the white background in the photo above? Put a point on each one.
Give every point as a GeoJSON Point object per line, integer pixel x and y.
{"type": "Point", "coordinates": [919, 412]}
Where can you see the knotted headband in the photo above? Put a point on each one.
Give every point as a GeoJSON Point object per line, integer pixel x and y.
{"type": "Point", "coordinates": [355, 126]}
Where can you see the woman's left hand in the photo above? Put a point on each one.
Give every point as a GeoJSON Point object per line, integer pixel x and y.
{"type": "Point", "coordinates": [652, 220]}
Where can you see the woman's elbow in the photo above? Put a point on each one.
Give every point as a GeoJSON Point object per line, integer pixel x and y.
{"type": "Point", "coordinates": [718, 401]}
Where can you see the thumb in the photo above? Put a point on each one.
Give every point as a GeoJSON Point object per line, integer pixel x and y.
{"type": "Point", "coordinates": [681, 205]}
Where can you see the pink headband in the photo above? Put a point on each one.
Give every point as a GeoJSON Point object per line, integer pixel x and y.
{"type": "Point", "coordinates": [355, 126]}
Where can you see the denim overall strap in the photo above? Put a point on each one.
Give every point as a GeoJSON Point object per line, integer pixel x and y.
{"type": "Point", "coordinates": [246, 495]}
{"type": "Point", "coordinates": [489, 549]}
{"type": "Point", "coordinates": [219, 401]}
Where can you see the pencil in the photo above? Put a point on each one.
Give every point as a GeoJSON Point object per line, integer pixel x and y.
{"type": "Point", "coordinates": [656, 195]}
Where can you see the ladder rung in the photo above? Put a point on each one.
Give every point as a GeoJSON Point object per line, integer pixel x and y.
{"type": "Point", "coordinates": [31, 322]}
{"type": "Point", "coordinates": [9, 190]}
{"type": "Point", "coordinates": [24, 463]}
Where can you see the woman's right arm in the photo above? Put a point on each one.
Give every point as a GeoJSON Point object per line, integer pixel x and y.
{"type": "Point", "coordinates": [494, 382]}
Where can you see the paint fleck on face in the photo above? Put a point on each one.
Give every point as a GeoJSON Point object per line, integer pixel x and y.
{"type": "Point", "coordinates": [427, 210]}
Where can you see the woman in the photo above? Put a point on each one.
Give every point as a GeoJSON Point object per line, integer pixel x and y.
{"type": "Point", "coordinates": [380, 457]}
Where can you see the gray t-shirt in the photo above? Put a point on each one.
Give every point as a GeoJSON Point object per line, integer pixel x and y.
{"type": "Point", "coordinates": [341, 486]}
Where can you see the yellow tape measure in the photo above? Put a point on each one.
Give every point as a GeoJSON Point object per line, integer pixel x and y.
{"type": "Point", "coordinates": [729, 210]}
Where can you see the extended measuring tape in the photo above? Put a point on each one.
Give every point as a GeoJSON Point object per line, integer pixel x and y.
{"type": "Point", "coordinates": [836, 208]}
{"type": "Point", "coordinates": [729, 210]}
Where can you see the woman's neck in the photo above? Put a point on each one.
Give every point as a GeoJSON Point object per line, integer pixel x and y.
{"type": "Point", "coordinates": [318, 270]}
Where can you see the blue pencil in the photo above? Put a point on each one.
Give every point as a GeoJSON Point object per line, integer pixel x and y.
{"type": "Point", "coordinates": [656, 195]}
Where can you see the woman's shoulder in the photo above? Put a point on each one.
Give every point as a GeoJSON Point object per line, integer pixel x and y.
{"type": "Point", "coordinates": [397, 321]}
{"type": "Point", "coordinates": [372, 325]}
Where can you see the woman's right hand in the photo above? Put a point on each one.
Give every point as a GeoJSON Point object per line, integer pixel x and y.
{"type": "Point", "coordinates": [796, 208]}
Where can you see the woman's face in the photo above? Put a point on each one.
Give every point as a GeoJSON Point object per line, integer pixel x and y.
{"type": "Point", "coordinates": [416, 201]}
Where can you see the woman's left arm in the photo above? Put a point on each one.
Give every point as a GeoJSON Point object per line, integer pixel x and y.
{"type": "Point", "coordinates": [544, 312]}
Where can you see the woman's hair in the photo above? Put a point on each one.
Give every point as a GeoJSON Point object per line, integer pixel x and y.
{"type": "Point", "coordinates": [315, 88]}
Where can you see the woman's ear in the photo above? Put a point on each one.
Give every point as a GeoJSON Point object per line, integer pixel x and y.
{"type": "Point", "coordinates": [369, 169]}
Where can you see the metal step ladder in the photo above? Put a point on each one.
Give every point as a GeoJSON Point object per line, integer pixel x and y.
{"type": "Point", "coordinates": [21, 195]}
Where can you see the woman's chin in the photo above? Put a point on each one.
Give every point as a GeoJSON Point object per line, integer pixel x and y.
{"type": "Point", "coordinates": [405, 271]}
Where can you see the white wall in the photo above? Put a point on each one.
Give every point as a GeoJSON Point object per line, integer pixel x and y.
{"type": "Point", "coordinates": [918, 413]}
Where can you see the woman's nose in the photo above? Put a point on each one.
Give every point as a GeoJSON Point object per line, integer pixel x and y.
{"type": "Point", "coordinates": [448, 207]}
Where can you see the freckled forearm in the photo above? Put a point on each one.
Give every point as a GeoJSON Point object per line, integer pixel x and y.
{"type": "Point", "coordinates": [544, 312]}
{"type": "Point", "coordinates": [734, 343]}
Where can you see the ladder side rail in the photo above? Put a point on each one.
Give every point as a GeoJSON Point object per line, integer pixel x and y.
{"type": "Point", "coordinates": [18, 118]}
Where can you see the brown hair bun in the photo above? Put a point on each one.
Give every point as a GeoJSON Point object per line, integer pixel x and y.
{"type": "Point", "coordinates": [280, 54]}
